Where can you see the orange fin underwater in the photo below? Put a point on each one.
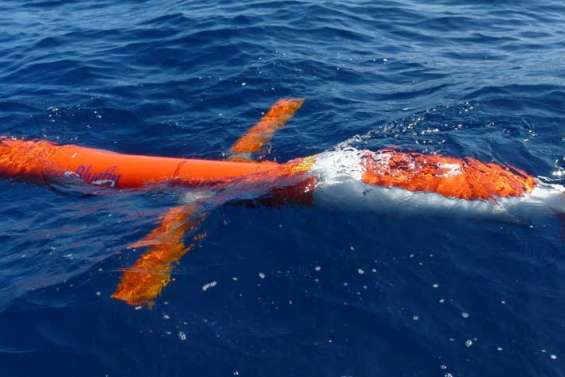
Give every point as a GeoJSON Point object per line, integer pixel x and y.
{"type": "Point", "coordinates": [142, 283]}
{"type": "Point", "coordinates": [261, 133]}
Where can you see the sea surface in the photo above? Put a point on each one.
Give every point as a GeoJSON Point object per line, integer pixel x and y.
{"type": "Point", "coordinates": [290, 291]}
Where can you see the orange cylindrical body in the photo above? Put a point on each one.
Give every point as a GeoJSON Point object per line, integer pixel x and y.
{"type": "Point", "coordinates": [451, 177]}
{"type": "Point", "coordinates": [38, 159]}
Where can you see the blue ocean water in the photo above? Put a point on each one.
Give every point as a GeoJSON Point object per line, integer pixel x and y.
{"type": "Point", "coordinates": [300, 291]}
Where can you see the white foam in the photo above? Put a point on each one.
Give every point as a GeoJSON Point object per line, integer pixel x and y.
{"type": "Point", "coordinates": [339, 166]}
{"type": "Point", "coordinates": [194, 195]}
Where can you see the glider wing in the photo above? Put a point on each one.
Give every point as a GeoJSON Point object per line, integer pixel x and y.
{"type": "Point", "coordinates": [142, 283]}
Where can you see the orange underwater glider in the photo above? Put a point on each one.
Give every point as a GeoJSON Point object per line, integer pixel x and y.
{"type": "Point", "coordinates": [385, 179]}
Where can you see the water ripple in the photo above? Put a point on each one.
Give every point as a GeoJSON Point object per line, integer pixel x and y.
{"type": "Point", "coordinates": [185, 78]}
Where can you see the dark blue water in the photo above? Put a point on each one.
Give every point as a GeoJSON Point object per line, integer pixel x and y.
{"type": "Point", "coordinates": [343, 293]}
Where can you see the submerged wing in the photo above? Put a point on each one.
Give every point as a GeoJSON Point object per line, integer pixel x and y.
{"type": "Point", "coordinates": [257, 136]}
{"type": "Point", "coordinates": [142, 283]}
